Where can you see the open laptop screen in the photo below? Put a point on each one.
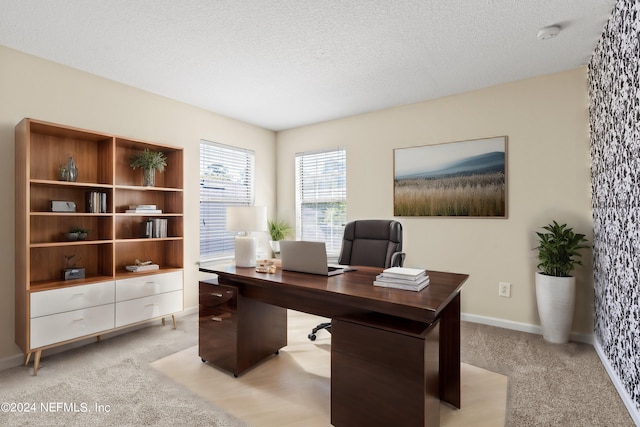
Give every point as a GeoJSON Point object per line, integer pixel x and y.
{"type": "Point", "coordinates": [306, 257]}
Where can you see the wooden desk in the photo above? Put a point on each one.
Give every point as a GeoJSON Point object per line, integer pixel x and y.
{"type": "Point", "coordinates": [249, 324]}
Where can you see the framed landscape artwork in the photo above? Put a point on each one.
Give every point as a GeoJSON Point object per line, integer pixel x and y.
{"type": "Point", "coordinates": [455, 179]}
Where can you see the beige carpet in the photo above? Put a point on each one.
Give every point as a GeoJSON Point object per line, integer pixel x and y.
{"type": "Point", "coordinates": [293, 388]}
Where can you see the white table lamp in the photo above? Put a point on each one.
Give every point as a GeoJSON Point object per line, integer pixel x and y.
{"type": "Point", "coordinates": [246, 219]}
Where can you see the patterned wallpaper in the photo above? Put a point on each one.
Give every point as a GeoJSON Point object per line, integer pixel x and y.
{"type": "Point", "coordinates": [614, 111]}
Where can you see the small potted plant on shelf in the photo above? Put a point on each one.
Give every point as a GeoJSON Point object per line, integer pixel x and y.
{"type": "Point", "coordinates": [558, 253]}
{"type": "Point", "coordinates": [150, 162]}
{"type": "Point", "coordinates": [278, 230]}
{"type": "Point", "coordinates": [81, 232]}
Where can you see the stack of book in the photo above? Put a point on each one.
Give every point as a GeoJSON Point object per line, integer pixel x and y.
{"type": "Point", "coordinates": [410, 279]}
{"type": "Point", "coordinates": [143, 209]}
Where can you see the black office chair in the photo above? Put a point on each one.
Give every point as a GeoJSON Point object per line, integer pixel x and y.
{"type": "Point", "coordinates": [369, 242]}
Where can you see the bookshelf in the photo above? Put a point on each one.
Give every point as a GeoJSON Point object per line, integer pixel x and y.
{"type": "Point", "coordinates": [105, 298]}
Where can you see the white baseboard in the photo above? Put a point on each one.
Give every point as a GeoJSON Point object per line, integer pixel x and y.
{"type": "Point", "coordinates": [11, 361]}
{"type": "Point", "coordinates": [624, 395]}
{"type": "Point", "coordinates": [522, 327]}
{"type": "Point", "coordinates": [18, 359]}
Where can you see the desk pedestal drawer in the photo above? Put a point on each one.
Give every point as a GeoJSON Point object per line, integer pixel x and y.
{"type": "Point", "coordinates": [218, 338]}
{"type": "Point", "coordinates": [47, 330]}
{"type": "Point", "coordinates": [373, 383]}
{"type": "Point", "coordinates": [236, 333]}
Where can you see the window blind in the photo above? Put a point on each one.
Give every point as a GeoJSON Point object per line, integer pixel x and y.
{"type": "Point", "coordinates": [226, 179]}
{"type": "Point", "coordinates": [321, 197]}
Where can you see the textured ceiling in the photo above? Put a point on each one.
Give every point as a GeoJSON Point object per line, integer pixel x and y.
{"type": "Point", "coordinates": [281, 64]}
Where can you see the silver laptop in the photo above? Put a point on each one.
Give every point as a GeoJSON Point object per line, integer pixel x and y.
{"type": "Point", "coordinates": [307, 257]}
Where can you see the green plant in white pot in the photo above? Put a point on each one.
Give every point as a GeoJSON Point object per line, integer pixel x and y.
{"type": "Point", "coordinates": [558, 253]}
{"type": "Point", "coordinates": [278, 230]}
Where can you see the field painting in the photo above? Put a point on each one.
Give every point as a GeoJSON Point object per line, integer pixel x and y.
{"type": "Point", "coordinates": [456, 179]}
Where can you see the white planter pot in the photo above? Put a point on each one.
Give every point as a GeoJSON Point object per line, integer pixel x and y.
{"type": "Point", "coordinates": [275, 246]}
{"type": "Point", "coordinates": [556, 299]}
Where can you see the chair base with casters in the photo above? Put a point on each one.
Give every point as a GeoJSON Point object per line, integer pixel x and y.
{"type": "Point", "coordinates": [326, 325]}
{"type": "Point", "coordinates": [369, 242]}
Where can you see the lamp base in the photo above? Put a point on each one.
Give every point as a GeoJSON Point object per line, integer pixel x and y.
{"type": "Point", "coordinates": [246, 251]}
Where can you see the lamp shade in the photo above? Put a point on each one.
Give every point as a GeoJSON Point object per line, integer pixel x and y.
{"type": "Point", "coordinates": [247, 218]}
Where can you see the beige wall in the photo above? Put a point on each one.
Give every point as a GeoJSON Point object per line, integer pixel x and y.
{"type": "Point", "coordinates": [32, 87]}
{"type": "Point", "coordinates": [546, 121]}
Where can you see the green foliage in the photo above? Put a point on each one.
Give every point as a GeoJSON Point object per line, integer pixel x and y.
{"type": "Point", "coordinates": [558, 250]}
{"type": "Point", "coordinates": [278, 230]}
{"type": "Point", "coordinates": [148, 160]}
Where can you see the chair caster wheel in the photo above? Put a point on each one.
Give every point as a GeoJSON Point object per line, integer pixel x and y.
{"type": "Point", "coordinates": [203, 361]}
{"type": "Point", "coordinates": [312, 337]}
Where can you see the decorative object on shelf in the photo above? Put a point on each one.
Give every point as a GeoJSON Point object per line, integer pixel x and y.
{"type": "Point", "coordinates": [71, 170]}
{"type": "Point", "coordinates": [62, 206]}
{"type": "Point", "coordinates": [246, 219]}
{"type": "Point", "coordinates": [68, 171]}
{"type": "Point", "coordinates": [456, 179]}
{"type": "Point", "coordinates": [81, 233]}
{"type": "Point", "coordinates": [72, 272]}
{"type": "Point", "coordinates": [150, 162]}
{"type": "Point", "coordinates": [141, 266]}
{"type": "Point", "coordinates": [278, 230]}
{"type": "Point", "coordinates": [555, 288]}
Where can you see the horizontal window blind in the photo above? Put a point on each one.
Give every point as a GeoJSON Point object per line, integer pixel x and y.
{"type": "Point", "coordinates": [226, 179]}
{"type": "Point", "coordinates": [321, 197]}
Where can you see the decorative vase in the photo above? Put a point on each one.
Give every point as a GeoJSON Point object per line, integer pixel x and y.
{"type": "Point", "coordinates": [72, 170]}
{"type": "Point", "coordinates": [149, 177]}
{"type": "Point", "coordinates": [275, 246]}
{"type": "Point", "coordinates": [556, 300]}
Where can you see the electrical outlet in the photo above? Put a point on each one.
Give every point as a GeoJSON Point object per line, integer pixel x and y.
{"type": "Point", "coordinates": [504, 289]}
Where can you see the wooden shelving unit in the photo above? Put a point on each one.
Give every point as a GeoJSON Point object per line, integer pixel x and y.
{"type": "Point", "coordinates": [114, 240]}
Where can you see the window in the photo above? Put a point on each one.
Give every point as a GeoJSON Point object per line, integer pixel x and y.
{"type": "Point", "coordinates": [321, 197]}
{"type": "Point", "coordinates": [226, 179]}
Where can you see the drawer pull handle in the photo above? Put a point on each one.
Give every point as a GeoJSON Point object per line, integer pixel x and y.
{"type": "Point", "coordinates": [150, 304]}
{"type": "Point", "coordinates": [217, 319]}
{"type": "Point", "coordinates": [79, 319]}
{"type": "Point", "coordinates": [78, 295]}
{"type": "Point", "coordinates": [216, 294]}
{"type": "Point", "coordinates": [149, 283]}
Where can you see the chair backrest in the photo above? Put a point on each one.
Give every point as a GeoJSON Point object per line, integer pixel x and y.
{"type": "Point", "coordinates": [372, 242]}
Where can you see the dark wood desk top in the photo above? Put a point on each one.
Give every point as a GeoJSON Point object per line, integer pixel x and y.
{"type": "Point", "coordinates": [341, 294]}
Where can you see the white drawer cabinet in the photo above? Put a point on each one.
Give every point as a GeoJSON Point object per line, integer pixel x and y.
{"type": "Point", "coordinates": [73, 298]}
{"type": "Point", "coordinates": [54, 328]}
{"type": "Point", "coordinates": [144, 286]}
{"type": "Point", "coordinates": [140, 309]}
{"type": "Point", "coordinates": [147, 297]}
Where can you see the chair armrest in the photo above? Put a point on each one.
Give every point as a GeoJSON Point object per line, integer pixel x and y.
{"type": "Point", "coordinates": [397, 259]}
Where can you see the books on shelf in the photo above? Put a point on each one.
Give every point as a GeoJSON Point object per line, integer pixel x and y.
{"type": "Point", "coordinates": [96, 202]}
{"type": "Point", "coordinates": [144, 209]}
{"type": "Point", "coordinates": [411, 279]}
{"type": "Point", "coordinates": [140, 268]}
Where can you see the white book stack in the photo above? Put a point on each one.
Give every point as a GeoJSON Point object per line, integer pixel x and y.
{"type": "Point", "coordinates": [143, 209]}
{"type": "Point", "coordinates": [410, 279]}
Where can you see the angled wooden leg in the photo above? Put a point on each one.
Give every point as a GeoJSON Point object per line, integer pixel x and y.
{"type": "Point", "coordinates": [99, 338]}
{"type": "Point", "coordinates": [173, 316]}
{"type": "Point", "coordinates": [27, 357]}
{"type": "Point", "coordinates": [163, 321]}
{"type": "Point", "coordinates": [36, 362]}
